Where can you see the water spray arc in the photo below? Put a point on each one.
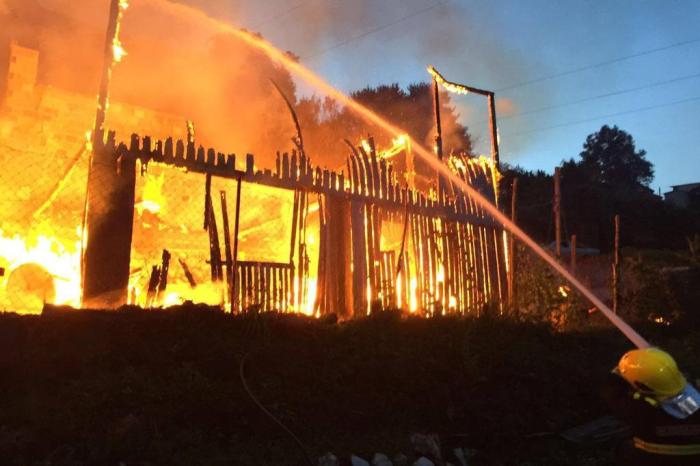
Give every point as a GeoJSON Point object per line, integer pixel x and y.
{"type": "Point", "coordinates": [317, 82]}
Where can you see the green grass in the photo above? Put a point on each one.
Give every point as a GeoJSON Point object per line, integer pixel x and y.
{"type": "Point", "coordinates": [164, 387]}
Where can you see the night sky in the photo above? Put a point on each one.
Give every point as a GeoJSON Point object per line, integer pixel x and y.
{"type": "Point", "coordinates": [648, 81]}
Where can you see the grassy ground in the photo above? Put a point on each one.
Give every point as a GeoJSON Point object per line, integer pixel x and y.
{"type": "Point", "coordinates": [164, 387]}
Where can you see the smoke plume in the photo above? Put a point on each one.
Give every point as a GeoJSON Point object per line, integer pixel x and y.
{"type": "Point", "coordinates": [176, 63]}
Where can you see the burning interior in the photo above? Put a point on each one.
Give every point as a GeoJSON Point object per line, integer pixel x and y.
{"type": "Point", "coordinates": [169, 220]}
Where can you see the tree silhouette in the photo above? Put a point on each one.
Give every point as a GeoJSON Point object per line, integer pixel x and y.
{"type": "Point", "coordinates": [326, 124]}
{"type": "Point", "coordinates": [610, 177]}
{"type": "Point", "coordinates": [610, 157]}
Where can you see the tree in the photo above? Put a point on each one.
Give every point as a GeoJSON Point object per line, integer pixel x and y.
{"type": "Point", "coordinates": [325, 124]}
{"type": "Point", "coordinates": [610, 158]}
{"type": "Point", "coordinates": [610, 177]}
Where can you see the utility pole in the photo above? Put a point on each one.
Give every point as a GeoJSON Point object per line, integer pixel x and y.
{"type": "Point", "coordinates": [616, 267]}
{"type": "Point", "coordinates": [511, 244]}
{"type": "Point", "coordinates": [557, 212]}
{"type": "Point", "coordinates": [495, 154]}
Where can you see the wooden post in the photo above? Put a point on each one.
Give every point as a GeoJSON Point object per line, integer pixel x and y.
{"type": "Point", "coordinates": [573, 253]}
{"type": "Point", "coordinates": [410, 166]}
{"type": "Point", "coordinates": [616, 266]}
{"type": "Point", "coordinates": [163, 277]}
{"type": "Point", "coordinates": [557, 212]}
{"type": "Point", "coordinates": [234, 257]}
{"type": "Point", "coordinates": [227, 246]}
{"type": "Point", "coordinates": [438, 134]}
{"type": "Point", "coordinates": [214, 247]}
{"type": "Point", "coordinates": [107, 222]}
{"type": "Point", "coordinates": [103, 96]}
{"type": "Point", "coordinates": [438, 125]}
{"type": "Point", "coordinates": [359, 258]}
{"type": "Point", "coordinates": [495, 154]}
{"type": "Point", "coordinates": [511, 244]}
{"type": "Point", "coordinates": [207, 200]}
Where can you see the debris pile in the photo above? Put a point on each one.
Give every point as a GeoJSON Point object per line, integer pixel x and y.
{"type": "Point", "coordinates": [426, 451]}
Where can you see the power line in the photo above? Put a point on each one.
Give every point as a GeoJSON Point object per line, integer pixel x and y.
{"type": "Point", "coordinates": [280, 14]}
{"type": "Point", "coordinates": [375, 30]}
{"type": "Point", "coordinates": [595, 97]}
{"type": "Point", "coordinates": [609, 115]}
{"type": "Point", "coordinates": [599, 64]}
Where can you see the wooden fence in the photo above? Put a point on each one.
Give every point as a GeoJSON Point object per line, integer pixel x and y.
{"type": "Point", "coordinates": [451, 257]}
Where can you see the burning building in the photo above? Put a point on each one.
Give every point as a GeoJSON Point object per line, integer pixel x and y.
{"type": "Point", "coordinates": [169, 220]}
{"type": "Point", "coordinates": [43, 149]}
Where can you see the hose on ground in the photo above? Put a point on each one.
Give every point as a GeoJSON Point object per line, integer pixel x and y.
{"type": "Point", "coordinates": [262, 408]}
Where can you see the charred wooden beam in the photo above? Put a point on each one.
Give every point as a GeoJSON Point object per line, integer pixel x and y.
{"type": "Point", "coordinates": [108, 223]}
{"type": "Point", "coordinates": [188, 273]}
{"type": "Point", "coordinates": [299, 141]}
{"type": "Point", "coordinates": [217, 272]}
{"type": "Point", "coordinates": [207, 199]}
{"type": "Point", "coordinates": [234, 267]}
{"type": "Point", "coordinates": [163, 275]}
{"type": "Point", "coordinates": [227, 246]}
{"type": "Point", "coordinates": [153, 286]}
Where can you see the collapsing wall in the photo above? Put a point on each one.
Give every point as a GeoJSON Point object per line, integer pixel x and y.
{"type": "Point", "coordinates": [447, 256]}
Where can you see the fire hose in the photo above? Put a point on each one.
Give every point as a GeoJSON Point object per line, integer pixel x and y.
{"type": "Point", "coordinates": [262, 408]}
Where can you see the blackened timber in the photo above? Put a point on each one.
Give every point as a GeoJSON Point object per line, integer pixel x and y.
{"type": "Point", "coordinates": [109, 224]}
{"type": "Point", "coordinates": [188, 273]}
{"type": "Point", "coordinates": [207, 197]}
{"type": "Point", "coordinates": [295, 213]}
{"type": "Point", "coordinates": [369, 180]}
{"type": "Point", "coordinates": [302, 269]}
{"type": "Point", "coordinates": [163, 276]}
{"type": "Point", "coordinates": [227, 246]}
{"type": "Point", "coordinates": [364, 185]}
{"type": "Point", "coordinates": [152, 286]}
{"type": "Point", "coordinates": [217, 272]}
{"type": "Point", "coordinates": [375, 168]}
{"type": "Point", "coordinates": [234, 257]}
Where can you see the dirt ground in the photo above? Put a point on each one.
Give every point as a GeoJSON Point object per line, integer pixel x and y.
{"type": "Point", "coordinates": [139, 388]}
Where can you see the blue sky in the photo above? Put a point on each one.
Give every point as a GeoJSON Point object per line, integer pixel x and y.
{"type": "Point", "coordinates": [502, 45]}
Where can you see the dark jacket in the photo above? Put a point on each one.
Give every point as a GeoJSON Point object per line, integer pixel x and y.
{"type": "Point", "coordinates": [654, 432]}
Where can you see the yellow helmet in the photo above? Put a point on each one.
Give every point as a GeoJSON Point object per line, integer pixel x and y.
{"type": "Point", "coordinates": [652, 372]}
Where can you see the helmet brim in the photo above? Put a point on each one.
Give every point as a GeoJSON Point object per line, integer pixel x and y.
{"type": "Point", "coordinates": [683, 405]}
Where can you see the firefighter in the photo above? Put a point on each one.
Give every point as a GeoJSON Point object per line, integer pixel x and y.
{"type": "Point", "coordinates": [662, 409]}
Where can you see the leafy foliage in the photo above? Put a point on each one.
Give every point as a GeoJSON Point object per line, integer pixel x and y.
{"type": "Point", "coordinates": [325, 124]}
{"type": "Point", "coordinates": [610, 177]}
{"type": "Point", "coordinates": [609, 157]}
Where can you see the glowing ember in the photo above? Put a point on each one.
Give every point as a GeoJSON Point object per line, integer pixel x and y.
{"type": "Point", "coordinates": [450, 86]}
{"type": "Point", "coordinates": [118, 51]}
{"type": "Point", "coordinates": [366, 146]}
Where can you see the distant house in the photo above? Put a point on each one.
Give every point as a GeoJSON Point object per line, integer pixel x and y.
{"type": "Point", "coordinates": [682, 194]}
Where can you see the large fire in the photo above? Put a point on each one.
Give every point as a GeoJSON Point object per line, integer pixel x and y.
{"type": "Point", "coordinates": [280, 243]}
{"type": "Point", "coordinates": [39, 268]}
